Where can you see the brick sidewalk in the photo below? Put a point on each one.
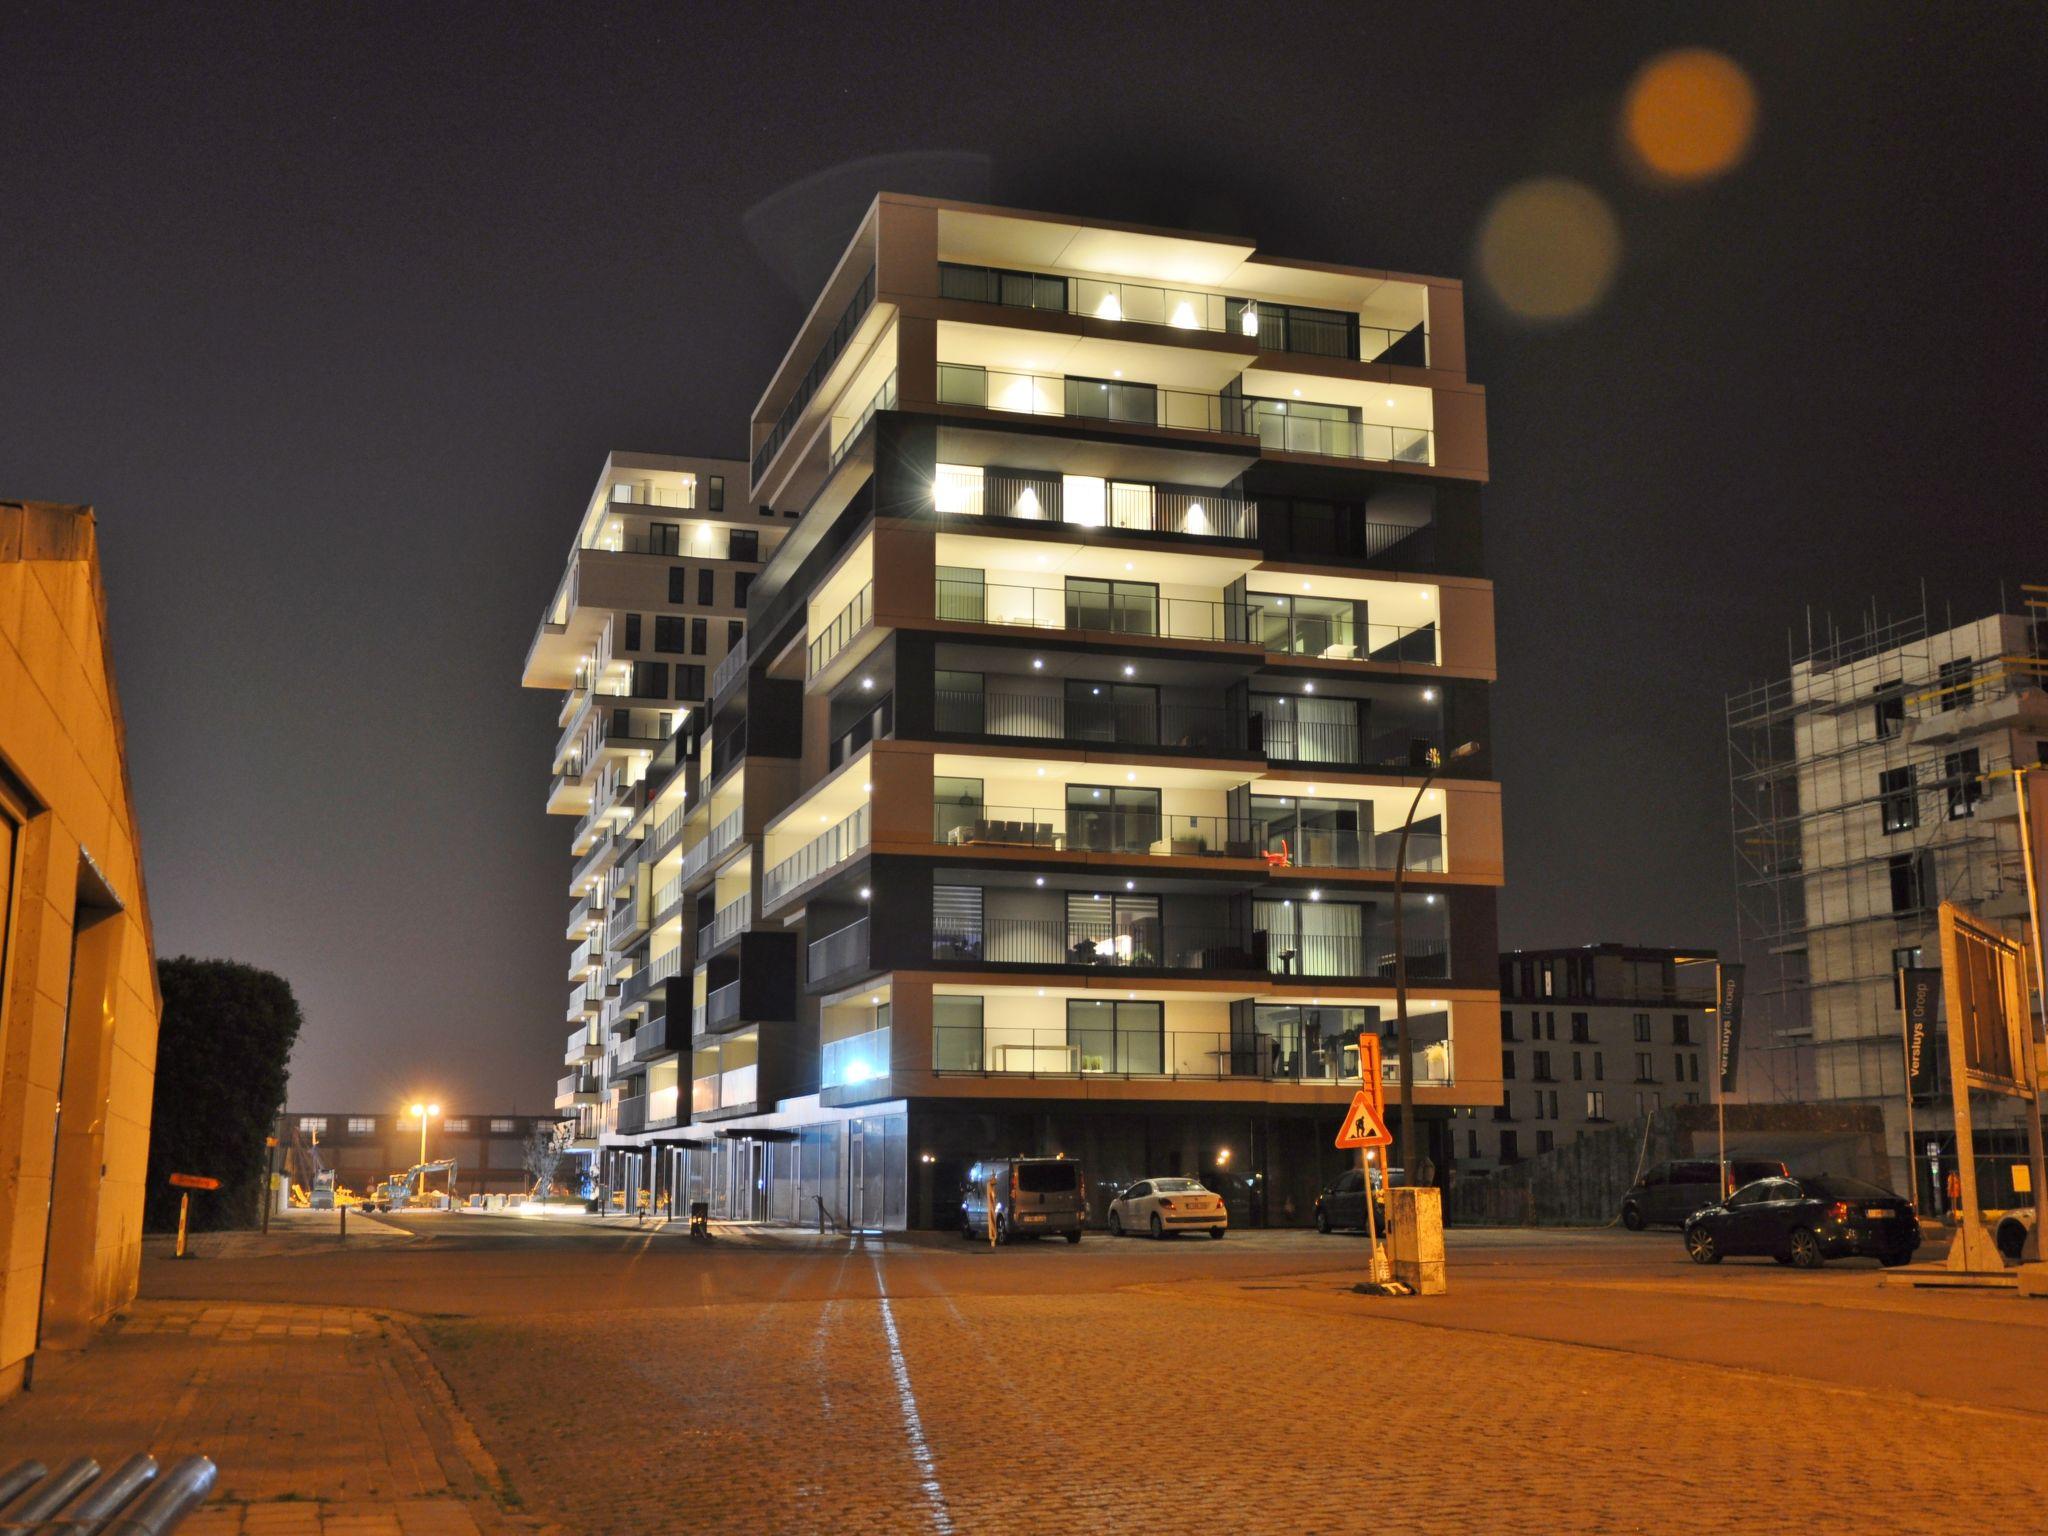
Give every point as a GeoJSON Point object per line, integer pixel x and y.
{"type": "Point", "coordinates": [323, 1420]}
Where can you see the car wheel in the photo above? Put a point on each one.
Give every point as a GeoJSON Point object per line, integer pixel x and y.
{"type": "Point", "coordinates": [1116, 1225]}
{"type": "Point", "coordinates": [1699, 1242]}
{"type": "Point", "coordinates": [1216, 1233]}
{"type": "Point", "coordinates": [1631, 1217]}
{"type": "Point", "coordinates": [1074, 1236]}
{"type": "Point", "coordinates": [1806, 1252]}
{"type": "Point", "coordinates": [1158, 1230]}
{"type": "Point", "coordinates": [966, 1228]}
{"type": "Point", "coordinates": [1323, 1222]}
{"type": "Point", "coordinates": [1002, 1229]}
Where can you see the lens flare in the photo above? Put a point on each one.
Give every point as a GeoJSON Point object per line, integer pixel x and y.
{"type": "Point", "coordinates": [1689, 116]}
{"type": "Point", "coordinates": [1548, 248]}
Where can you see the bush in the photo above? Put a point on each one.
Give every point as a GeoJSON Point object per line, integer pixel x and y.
{"type": "Point", "coordinates": [222, 1050]}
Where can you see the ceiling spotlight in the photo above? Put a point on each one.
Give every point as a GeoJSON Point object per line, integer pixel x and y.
{"type": "Point", "coordinates": [1130, 885]}
{"type": "Point", "coordinates": [1308, 687]}
{"type": "Point", "coordinates": [1130, 671]}
{"type": "Point", "coordinates": [1038, 664]}
{"type": "Point", "coordinates": [1429, 695]}
{"type": "Point", "coordinates": [1039, 881]}
{"type": "Point", "coordinates": [865, 893]}
{"type": "Point", "coordinates": [867, 682]}
{"type": "Point", "coordinates": [1297, 394]}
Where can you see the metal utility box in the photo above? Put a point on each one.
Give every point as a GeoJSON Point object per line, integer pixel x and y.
{"type": "Point", "coordinates": [1415, 1237]}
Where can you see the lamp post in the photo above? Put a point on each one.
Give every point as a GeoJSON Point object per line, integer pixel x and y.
{"type": "Point", "coordinates": [1401, 1041]}
{"type": "Point", "coordinates": [420, 1113]}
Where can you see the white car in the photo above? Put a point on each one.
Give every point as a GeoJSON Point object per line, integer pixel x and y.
{"type": "Point", "coordinates": [1160, 1206]}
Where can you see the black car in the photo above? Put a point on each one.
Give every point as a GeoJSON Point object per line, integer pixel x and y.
{"type": "Point", "coordinates": [1806, 1221]}
{"type": "Point", "coordinates": [1341, 1205]}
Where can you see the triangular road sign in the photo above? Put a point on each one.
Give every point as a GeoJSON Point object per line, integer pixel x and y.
{"type": "Point", "coordinates": [1363, 1126]}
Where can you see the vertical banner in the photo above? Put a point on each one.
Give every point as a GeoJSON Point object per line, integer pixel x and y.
{"type": "Point", "coordinates": [1919, 1002]}
{"type": "Point", "coordinates": [1728, 1026]}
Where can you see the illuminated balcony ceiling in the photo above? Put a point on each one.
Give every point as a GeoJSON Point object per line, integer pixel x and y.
{"type": "Point", "coordinates": [1036, 244]}
{"type": "Point", "coordinates": [1050, 352]}
{"type": "Point", "coordinates": [1412, 407]}
{"type": "Point", "coordinates": [1032, 562]}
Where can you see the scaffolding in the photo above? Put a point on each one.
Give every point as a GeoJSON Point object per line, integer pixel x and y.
{"type": "Point", "coordinates": [1868, 784]}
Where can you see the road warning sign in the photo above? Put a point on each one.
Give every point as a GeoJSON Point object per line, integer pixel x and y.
{"type": "Point", "coordinates": [1363, 1125]}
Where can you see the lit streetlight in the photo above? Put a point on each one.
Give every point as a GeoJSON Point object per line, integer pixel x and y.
{"type": "Point", "coordinates": [420, 1113]}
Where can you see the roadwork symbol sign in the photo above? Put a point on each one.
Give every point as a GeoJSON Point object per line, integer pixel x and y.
{"type": "Point", "coordinates": [1363, 1125]}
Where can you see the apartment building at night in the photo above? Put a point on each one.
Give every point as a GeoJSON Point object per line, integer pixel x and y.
{"type": "Point", "coordinates": [652, 601]}
{"type": "Point", "coordinates": [1130, 584]}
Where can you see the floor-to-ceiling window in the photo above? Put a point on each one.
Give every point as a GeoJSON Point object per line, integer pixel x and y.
{"type": "Point", "coordinates": [1122, 1036]}
{"type": "Point", "coordinates": [1106, 818]}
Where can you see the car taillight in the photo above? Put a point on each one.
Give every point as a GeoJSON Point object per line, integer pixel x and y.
{"type": "Point", "coordinates": [1839, 1210]}
{"type": "Point", "coordinates": [1166, 1203]}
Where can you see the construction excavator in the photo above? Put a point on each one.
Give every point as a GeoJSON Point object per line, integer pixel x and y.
{"type": "Point", "coordinates": [409, 1189]}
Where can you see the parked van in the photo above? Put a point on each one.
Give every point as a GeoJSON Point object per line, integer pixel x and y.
{"type": "Point", "coordinates": [1034, 1197]}
{"type": "Point", "coordinates": [1670, 1192]}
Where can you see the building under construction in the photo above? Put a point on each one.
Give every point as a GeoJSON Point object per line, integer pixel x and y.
{"type": "Point", "coordinates": [1868, 785]}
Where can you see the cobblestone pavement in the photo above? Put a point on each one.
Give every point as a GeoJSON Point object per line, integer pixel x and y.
{"type": "Point", "coordinates": [571, 1379]}
{"type": "Point", "coordinates": [324, 1421]}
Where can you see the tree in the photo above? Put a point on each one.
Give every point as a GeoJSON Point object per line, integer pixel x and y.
{"type": "Point", "coordinates": [544, 1155]}
{"type": "Point", "coordinates": [222, 1050]}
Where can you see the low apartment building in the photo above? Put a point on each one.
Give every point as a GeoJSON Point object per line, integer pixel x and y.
{"type": "Point", "coordinates": [650, 607]}
{"type": "Point", "coordinates": [1130, 609]}
{"type": "Point", "coordinates": [1591, 1037]}
{"type": "Point", "coordinates": [360, 1148]}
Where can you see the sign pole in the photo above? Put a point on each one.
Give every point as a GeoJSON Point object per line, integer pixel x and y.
{"type": "Point", "coordinates": [1912, 1145]}
{"type": "Point", "coordinates": [1721, 1081]}
{"type": "Point", "coordinates": [184, 1209]}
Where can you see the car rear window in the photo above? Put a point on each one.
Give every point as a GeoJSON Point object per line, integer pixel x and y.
{"type": "Point", "coordinates": [1048, 1178]}
{"type": "Point", "coordinates": [1178, 1187]}
{"type": "Point", "coordinates": [1695, 1173]}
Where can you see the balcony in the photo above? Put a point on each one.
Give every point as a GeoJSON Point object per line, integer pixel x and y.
{"type": "Point", "coordinates": [837, 635]}
{"type": "Point", "coordinates": [1079, 1051]}
{"type": "Point", "coordinates": [582, 1047]}
{"type": "Point", "coordinates": [1114, 401]}
{"type": "Point", "coordinates": [730, 1090]}
{"type": "Point", "coordinates": [666, 899]}
{"type": "Point", "coordinates": [1086, 501]}
{"type": "Point", "coordinates": [834, 846]}
{"type": "Point", "coordinates": [580, 960]}
{"type": "Point", "coordinates": [625, 924]}
{"type": "Point", "coordinates": [846, 431]}
{"type": "Point", "coordinates": [1147, 944]}
{"type": "Point", "coordinates": [1330, 631]}
{"type": "Point", "coordinates": [649, 976]}
{"type": "Point", "coordinates": [578, 1088]}
{"type": "Point", "coordinates": [828, 353]}
{"type": "Point", "coordinates": [1098, 607]}
{"type": "Point", "coordinates": [855, 1061]}
{"type": "Point", "coordinates": [1078, 829]}
{"type": "Point", "coordinates": [727, 924]}
{"type": "Point", "coordinates": [586, 1001]}
{"type": "Point", "coordinates": [840, 953]}
{"type": "Point", "coordinates": [721, 838]}
{"type": "Point", "coordinates": [651, 1038]}
{"type": "Point", "coordinates": [595, 862]}
{"type": "Point", "coordinates": [729, 671]}
{"type": "Point", "coordinates": [1277, 327]}
{"type": "Point", "coordinates": [1282, 431]}
{"type": "Point", "coordinates": [632, 1117]}
{"type": "Point", "coordinates": [579, 915]}
{"type": "Point", "coordinates": [1088, 716]}
{"type": "Point", "coordinates": [722, 1006]}
{"type": "Point", "coordinates": [667, 832]}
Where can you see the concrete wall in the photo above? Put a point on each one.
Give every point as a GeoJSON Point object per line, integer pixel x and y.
{"type": "Point", "coordinates": [78, 998]}
{"type": "Point", "coordinates": [1582, 1182]}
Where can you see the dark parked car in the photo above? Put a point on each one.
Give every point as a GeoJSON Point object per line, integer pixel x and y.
{"type": "Point", "coordinates": [1342, 1203]}
{"type": "Point", "coordinates": [1670, 1192]}
{"type": "Point", "coordinates": [1805, 1221]}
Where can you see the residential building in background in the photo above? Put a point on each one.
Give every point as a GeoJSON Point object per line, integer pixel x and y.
{"type": "Point", "coordinates": [652, 603]}
{"type": "Point", "coordinates": [362, 1147]}
{"type": "Point", "coordinates": [1868, 785]}
{"type": "Point", "coordinates": [1591, 1037]}
{"type": "Point", "coordinates": [1132, 586]}
{"type": "Point", "coordinates": [78, 991]}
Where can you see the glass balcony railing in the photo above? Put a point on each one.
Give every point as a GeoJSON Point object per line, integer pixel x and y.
{"type": "Point", "coordinates": [1282, 431]}
{"type": "Point", "coordinates": [731, 1089]}
{"type": "Point", "coordinates": [1339, 636]}
{"type": "Point", "coordinates": [833, 846]}
{"type": "Point", "coordinates": [846, 432]}
{"type": "Point", "coordinates": [1149, 944]}
{"type": "Point", "coordinates": [829, 349]}
{"type": "Point", "coordinates": [969, 601]}
{"type": "Point", "coordinates": [1110, 400]}
{"type": "Point", "coordinates": [729, 670]}
{"type": "Point", "coordinates": [837, 635]}
{"type": "Point", "coordinates": [727, 923]}
{"type": "Point", "coordinates": [1069, 1050]}
{"type": "Point", "coordinates": [1090, 502]}
{"type": "Point", "coordinates": [1158, 835]}
{"type": "Point", "coordinates": [858, 1059]}
{"type": "Point", "coordinates": [722, 1005]}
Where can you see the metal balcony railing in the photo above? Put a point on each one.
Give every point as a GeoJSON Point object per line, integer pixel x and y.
{"type": "Point", "coordinates": [728, 922]}
{"type": "Point", "coordinates": [1171, 835]}
{"type": "Point", "coordinates": [846, 433]}
{"type": "Point", "coordinates": [843, 950]}
{"type": "Point", "coordinates": [828, 353]}
{"type": "Point", "coordinates": [722, 1005]}
{"type": "Point", "coordinates": [1338, 637]}
{"type": "Point", "coordinates": [1098, 718]}
{"type": "Point", "coordinates": [837, 635]}
{"type": "Point", "coordinates": [833, 846]}
{"type": "Point", "coordinates": [1142, 944]}
{"type": "Point", "coordinates": [1282, 431]}
{"type": "Point", "coordinates": [1075, 1049]}
{"type": "Point", "coordinates": [729, 670]}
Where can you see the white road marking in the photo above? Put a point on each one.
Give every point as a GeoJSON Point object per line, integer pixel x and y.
{"type": "Point", "coordinates": [913, 1424]}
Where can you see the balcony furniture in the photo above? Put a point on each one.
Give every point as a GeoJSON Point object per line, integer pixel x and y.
{"type": "Point", "coordinates": [1065, 1054]}
{"type": "Point", "coordinates": [1024, 834]}
{"type": "Point", "coordinates": [1277, 860]}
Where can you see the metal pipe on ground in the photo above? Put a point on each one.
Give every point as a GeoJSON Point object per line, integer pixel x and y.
{"type": "Point", "coordinates": [52, 1493]}
{"type": "Point", "coordinates": [178, 1492]}
{"type": "Point", "coordinates": [19, 1478]}
{"type": "Point", "coordinates": [105, 1500]}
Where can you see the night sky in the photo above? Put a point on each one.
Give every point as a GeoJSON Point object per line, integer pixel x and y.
{"type": "Point", "coordinates": [333, 312]}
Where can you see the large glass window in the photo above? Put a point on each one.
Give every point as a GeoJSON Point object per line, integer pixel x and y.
{"type": "Point", "coordinates": [1123, 1037]}
{"type": "Point", "coordinates": [957, 1034]}
{"type": "Point", "coordinates": [962, 594]}
{"type": "Point", "coordinates": [1122, 607]}
{"type": "Point", "coordinates": [1895, 795]}
{"type": "Point", "coordinates": [1123, 713]}
{"type": "Point", "coordinates": [956, 808]}
{"type": "Point", "coordinates": [1112, 400]}
{"type": "Point", "coordinates": [1313, 938]}
{"type": "Point", "coordinates": [1112, 819]}
{"type": "Point", "coordinates": [1109, 928]}
{"type": "Point", "coordinates": [1302, 728]}
{"type": "Point", "coordinates": [1327, 834]}
{"type": "Point", "coordinates": [957, 703]}
{"type": "Point", "coordinates": [1306, 626]}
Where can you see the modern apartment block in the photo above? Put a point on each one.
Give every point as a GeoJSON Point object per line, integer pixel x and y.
{"type": "Point", "coordinates": [1128, 590]}
{"type": "Point", "coordinates": [652, 603]}
{"type": "Point", "coordinates": [1591, 1037]}
{"type": "Point", "coordinates": [1869, 785]}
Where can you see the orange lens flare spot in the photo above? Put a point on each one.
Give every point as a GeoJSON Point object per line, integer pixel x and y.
{"type": "Point", "coordinates": [1690, 115]}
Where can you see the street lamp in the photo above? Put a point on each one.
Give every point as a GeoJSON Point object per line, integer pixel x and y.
{"type": "Point", "coordinates": [1401, 1041]}
{"type": "Point", "coordinates": [421, 1112]}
